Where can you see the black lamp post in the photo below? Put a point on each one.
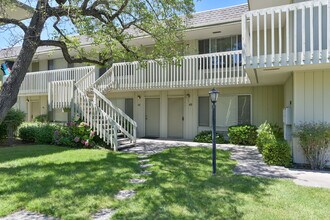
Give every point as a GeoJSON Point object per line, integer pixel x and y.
{"type": "Point", "coordinates": [214, 97]}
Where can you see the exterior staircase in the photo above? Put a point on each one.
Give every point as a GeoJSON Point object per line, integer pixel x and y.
{"type": "Point", "coordinates": [87, 101]}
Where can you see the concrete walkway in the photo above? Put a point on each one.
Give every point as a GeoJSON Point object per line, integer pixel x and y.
{"type": "Point", "coordinates": [249, 162]}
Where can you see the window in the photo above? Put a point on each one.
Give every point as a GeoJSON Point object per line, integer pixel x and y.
{"type": "Point", "coordinates": [51, 65]}
{"type": "Point", "coordinates": [231, 110]}
{"type": "Point", "coordinates": [129, 107]}
{"type": "Point", "coordinates": [70, 65]}
{"type": "Point", "coordinates": [203, 111]}
{"type": "Point", "coordinates": [244, 109]}
{"type": "Point", "coordinates": [231, 43]}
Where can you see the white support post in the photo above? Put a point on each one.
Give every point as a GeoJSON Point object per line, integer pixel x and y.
{"type": "Point", "coordinates": [287, 36]}
{"type": "Point", "coordinates": [258, 38]}
{"type": "Point", "coordinates": [320, 31]}
{"type": "Point", "coordinates": [303, 32]}
{"type": "Point", "coordinates": [273, 34]}
{"type": "Point", "coordinates": [280, 34]}
{"type": "Point", "coordinates": [311, 25]}
{"type": "Point", "coordinates": [265, 38]}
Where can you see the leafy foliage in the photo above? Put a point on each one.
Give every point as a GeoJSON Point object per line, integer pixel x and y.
{"type": "Point", "coordinates": [277, 152]}
{"type": "Point", "coordinates": [75, 134]}
{"type": "Point", "coordinates": [41, 118]}
{"type": "Point", "coordinates": [268, 132]}
{"type": "Point", "coordinates": [242, 134]}
{"type": "Point", "coordinates": [13, 118]}
{"type": "Point", "coordinates": [314, 139]}
{"type": "Point", "coordinates": [206, 137]}
{"type": "Point", "coordinates": [41, 133]}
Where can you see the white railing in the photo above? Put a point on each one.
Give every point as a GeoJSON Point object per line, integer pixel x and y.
{"type": "Point", "coordinates": [37, 82]}
{"type": "Point", "coordinates": [124, 123]}
{"type": "Point", "coordinates": [294, 34]}
{"type": "Point", "coordinates": [60, 94]}
{"type": "Point", "coordinates": [87, 81]}
{"type": "Point", "coordinates": [96, 118]}
{"type": "Point", "coordinates": [204, 70]}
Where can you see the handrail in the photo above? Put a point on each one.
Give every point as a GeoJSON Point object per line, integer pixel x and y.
{"type": "Point", "coordinates": [114, 107]}
{"type": "Point", "coordinates": [61, 70]}
{"type": "Point", "coordinates": [86, 81]}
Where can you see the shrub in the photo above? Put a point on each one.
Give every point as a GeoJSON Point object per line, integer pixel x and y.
{"type": "Point", "coordinates": [242, 134]}
{"type": "Point", "coordinates": [277, 152]}
{"type": "Point", "coordinates": [75, 134]}
{"type": "Point", "coordinates": [13, 118]}
{"type": "Point", "coordinates": [266, 133]}
{"type": "Point", "coordinates": [40, 133]}
{"type": "Point", "coordinates": [28, 133]}
{"type": "Point", "coordinates": [41, 118]}
{"type": "Point", "coordinates": [314, 140]}
{"type": "Point", "coordinates": [206, 137]}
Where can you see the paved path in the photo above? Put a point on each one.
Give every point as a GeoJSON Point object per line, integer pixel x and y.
{"type": "Point", "coordinates": [249, 162]}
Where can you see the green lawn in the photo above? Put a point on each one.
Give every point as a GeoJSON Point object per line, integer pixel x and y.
{"type": "Point", "coordinates": [72, 184]}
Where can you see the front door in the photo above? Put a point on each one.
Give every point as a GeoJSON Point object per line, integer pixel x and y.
{"type": "Point", "coordinates": [35, 109]}
{"type": "Point", "coordinates": [175, 118]}
{"type": "Point", "coordinates": [152, 117]}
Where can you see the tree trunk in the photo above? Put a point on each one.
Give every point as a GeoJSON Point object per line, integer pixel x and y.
{"type": "Point", "coordinates": [10, 88]}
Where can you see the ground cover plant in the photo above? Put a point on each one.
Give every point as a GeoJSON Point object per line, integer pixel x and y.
{"type": "Point", "coordinates": [74, 183]}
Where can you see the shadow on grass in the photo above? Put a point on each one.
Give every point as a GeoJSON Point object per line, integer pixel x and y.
{"type": "Point", "coordinates": [28, 151]}
{"type": "Point", "coordinates": [182, 187]}
{"type": "Point", "coordinates": [71, 184]}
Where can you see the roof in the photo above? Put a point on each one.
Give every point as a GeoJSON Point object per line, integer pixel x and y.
{"type": "Point", "coordinates": [217, 16]}
{"type": "Point", "coordinates": [199, 19]}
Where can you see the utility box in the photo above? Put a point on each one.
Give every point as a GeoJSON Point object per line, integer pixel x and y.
{"type": "Point", "coordinates": [287, 116]}
{"type": "Point", "coordinates": [287, 123]}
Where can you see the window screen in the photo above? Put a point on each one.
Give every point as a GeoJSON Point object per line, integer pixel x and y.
{"type": "Point", "coordinates": [203, 111]}
{"type": "Point", "coordinates": [129, 107]}
{"type": "Point", "coordinates": [244, 109]}
{"type": "Point", "coordinates": [51, 65]}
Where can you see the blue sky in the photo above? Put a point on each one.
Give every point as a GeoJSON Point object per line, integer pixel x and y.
{"type": "Point", "coordinates": [200, 5]}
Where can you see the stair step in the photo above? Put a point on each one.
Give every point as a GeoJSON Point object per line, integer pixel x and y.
{"type": "Point", "coordinates": [122, 147]}
{"type": "Point", "coordinates": [123, 139]}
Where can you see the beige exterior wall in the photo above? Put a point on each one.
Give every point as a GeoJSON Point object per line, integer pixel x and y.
{"type": "Point", "coordinates": [311, 94]}
{"type": "Point", "coordinates": [267, 104]}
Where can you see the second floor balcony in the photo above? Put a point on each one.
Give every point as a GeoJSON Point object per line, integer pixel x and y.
{"type": "Point", "coordinates": [205, 70]}
{"type": "Point", "coordinates": [289, 35]}
{"type": "Point", "coordinates": [38, 82]}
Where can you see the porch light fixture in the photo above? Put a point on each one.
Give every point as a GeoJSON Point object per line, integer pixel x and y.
{"type": "Point", "coordinates": [214, 97]}
{"type": "Point", "coordinates": [139, 97]}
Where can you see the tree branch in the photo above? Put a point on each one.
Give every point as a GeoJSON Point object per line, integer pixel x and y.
{"type": "Point", "coordinates": [15, 22]}
{"type": "Point", "coordinates": [62, 45]}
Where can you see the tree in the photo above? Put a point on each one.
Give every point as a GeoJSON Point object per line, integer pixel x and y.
{"type": "Point", "coordinates": [110, 24]}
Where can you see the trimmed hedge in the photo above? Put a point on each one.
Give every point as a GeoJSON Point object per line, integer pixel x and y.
{"type": "Point", "coordinates": [277, 152]}
{"type": "Point", "coordinates": [242, 134]}
{"type": "Point", "coordinates": [206, 137]}
{"type": "Point", "coordinates": [40, 133]}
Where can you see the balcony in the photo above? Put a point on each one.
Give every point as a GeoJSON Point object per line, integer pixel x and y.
{"type": "Point", "coordinates": [38, 82]}
{"type": "Point", "coordinates": [196, 71]}
{"type": "Point", "coordinates": [295, 34]}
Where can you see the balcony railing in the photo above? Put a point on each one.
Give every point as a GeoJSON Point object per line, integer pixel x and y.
{"type": "Point", "coordinates": [294, 34]}
{"type": "Point", "coordinates": [204, 70]}
{"type": "Point", "coordinates": [37, 82]}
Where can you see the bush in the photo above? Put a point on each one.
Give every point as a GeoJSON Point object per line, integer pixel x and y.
{"type": "Point", "coordinates": [75, 134]}
{"type": "Point", "coordinates": [277, 152]}
{"type": "Point", "coordinates": [206, 137]}
{"type": "Point", "coordinates": [41, 118]}
{"type": "Point", "coordinates": [266, 133]}
{"type": "Point", "coordinates": [40, 133]}
{"type": "Point", "coordinates": [314, 139]}
{"type": "Point", "coordinates": [242, 134]}
{"type": "Point", "coordinates": [13, 118]}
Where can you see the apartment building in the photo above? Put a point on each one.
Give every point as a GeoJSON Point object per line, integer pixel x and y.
{"type": "Point", "coordinates": [269, 60]}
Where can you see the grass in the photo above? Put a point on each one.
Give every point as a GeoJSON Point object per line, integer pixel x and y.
{"type": "Point", "coordinates": [72, 184]}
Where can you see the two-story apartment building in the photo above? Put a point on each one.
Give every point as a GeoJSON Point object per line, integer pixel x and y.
{"type": "Point", "coordinates": [263, 56]}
